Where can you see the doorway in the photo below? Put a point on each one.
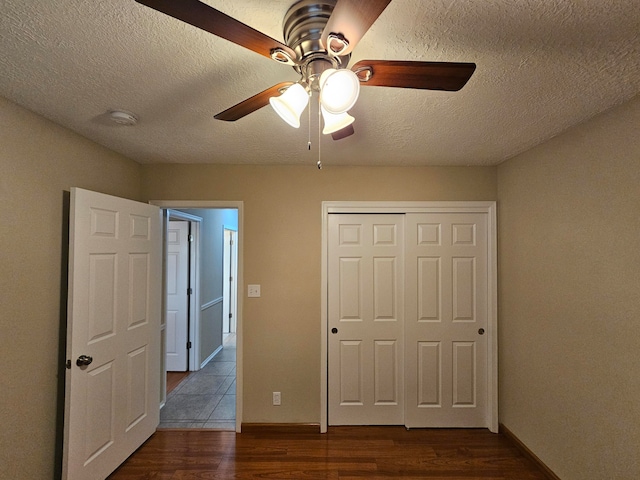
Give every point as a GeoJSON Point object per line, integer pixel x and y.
{"type": "Point", "coordinates": [217, 381]}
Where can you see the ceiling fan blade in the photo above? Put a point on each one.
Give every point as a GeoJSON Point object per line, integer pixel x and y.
{"type": "Point", "coordinates": [252, 104]}
{"type": "Point", "coordinates": [352, 19]}
{"type": "Point", "coordinates": [344, 133]}
{"type": "Point", "coordinates": [214, 21]}
{"type": "Point", "coordinates": [448, 76]}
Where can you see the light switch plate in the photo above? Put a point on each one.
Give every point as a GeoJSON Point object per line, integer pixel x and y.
{"type": "Point", "coordinates": [253, 291]}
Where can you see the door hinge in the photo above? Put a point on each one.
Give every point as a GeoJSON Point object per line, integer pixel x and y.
{"type": "Point", "coordinates": [189, 291]}
{"type": "Point", "coordinates": [188, 344]}
{"type": "Point", "coordinates": [191, 238]}
{"type": "Point", "coordinates": [68, 364]}
{"type": "Point", "coordinates": [230, 279]}
{"type": "Point", "coordinates": [231, 315]}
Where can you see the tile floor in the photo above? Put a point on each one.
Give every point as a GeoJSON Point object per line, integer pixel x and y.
{"type": "Point", "coordinates": [206, 398]}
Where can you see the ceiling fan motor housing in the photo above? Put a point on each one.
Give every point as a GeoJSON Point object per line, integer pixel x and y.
{"type": "Point", "coordinates": [303, 25]}
{"type": "Point", "coordinates": [319, 35]}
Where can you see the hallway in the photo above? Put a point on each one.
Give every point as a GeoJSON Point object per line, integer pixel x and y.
{"type": "Point", "coordinates": [206, 398]}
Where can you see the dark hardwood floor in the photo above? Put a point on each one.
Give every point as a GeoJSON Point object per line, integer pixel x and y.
{"type": "Point", "coordinates": [342, 453]}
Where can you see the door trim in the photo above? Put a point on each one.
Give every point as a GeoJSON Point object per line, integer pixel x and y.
{"type": "Point", "coordinates": [239, 206]}
{"type": "Point", "coordinates": [489, 208]}
{"type": "Point", "coordinates": [229, 302]}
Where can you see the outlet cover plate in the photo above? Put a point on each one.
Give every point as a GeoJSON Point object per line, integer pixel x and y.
{"type": "Point", "coordinates": [253, 291]}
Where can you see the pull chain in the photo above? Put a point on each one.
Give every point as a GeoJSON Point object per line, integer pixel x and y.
{"type": "Point", "coordinates": [309, 142]}
{"type": "Point", "coordinates": [319, 134]}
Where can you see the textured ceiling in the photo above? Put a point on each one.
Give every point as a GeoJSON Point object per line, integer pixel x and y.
{"type": "Point", "coordinates": [542, 66]}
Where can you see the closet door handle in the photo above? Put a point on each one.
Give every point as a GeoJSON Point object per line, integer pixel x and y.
{"type": "Point", "coordinates": [481, 331]}
{"type": "Point", "coordinates": [334, 330]}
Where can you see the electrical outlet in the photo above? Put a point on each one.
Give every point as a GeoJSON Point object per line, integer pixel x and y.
{"type": "Point", "coordinates": [277, 398]}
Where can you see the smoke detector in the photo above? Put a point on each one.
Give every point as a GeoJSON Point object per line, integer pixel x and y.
{"type": "Point", "coordinates": [122, 117]}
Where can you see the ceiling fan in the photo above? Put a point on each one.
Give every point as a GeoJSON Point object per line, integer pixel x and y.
{"type": "Point", "coordinates": [319, 38]}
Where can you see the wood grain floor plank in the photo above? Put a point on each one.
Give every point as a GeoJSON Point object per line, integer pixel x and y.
{"type": "Point", "coordinates": [344, 453]}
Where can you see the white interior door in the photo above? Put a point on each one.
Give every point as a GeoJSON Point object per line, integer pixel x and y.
{"type": "Point", "coordinates": [177, 326]}
{"type": "Point", "coordinates": [113, 332]}
{"type": "Point", "coordinates": [365, 309]}
{"type": "Point", "coordinates": [446, 320]}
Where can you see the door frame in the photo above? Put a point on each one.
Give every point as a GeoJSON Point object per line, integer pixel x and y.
{"type": "Point", "coordinates": [194, 283]}
{"type": "Point", "coordinates": [489, 208]}
{"type": "Point", "coordinates": [229, 302]}
{"type": "Point", "coordinates": [239, 207]}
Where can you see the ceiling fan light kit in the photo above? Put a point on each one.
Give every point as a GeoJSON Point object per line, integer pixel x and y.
{"type": "Point", "coordinates": [291, 104]}
{"type": "Point", "coordinates": [334, 123]}
{"type": "Point", "coordinates": [319, 36]}
{"type": "Point", "coordinates": [339, 90]}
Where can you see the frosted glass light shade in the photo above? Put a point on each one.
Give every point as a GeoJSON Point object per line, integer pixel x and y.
{"type": "Point", "coordinates": [333, 123]}
{"type": "Point", "coordinates": [339, 90]}
{"type": "Point", "coordinates": [291, 104]}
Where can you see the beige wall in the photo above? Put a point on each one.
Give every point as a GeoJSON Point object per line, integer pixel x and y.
{"type": "Point", "coordinates": [282, 243]}
{"type": "Point", "coordinates": [38, 162]}
{"type": "Point", "coordinates": [569, 233]}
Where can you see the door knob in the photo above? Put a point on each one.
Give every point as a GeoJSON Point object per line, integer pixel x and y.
{"type": "Point", "coordinates": [334, 330]}
{"type": "Point", "coordinates": [481, 331]}
{"type": "Point", "coordinates": [84, 360]}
